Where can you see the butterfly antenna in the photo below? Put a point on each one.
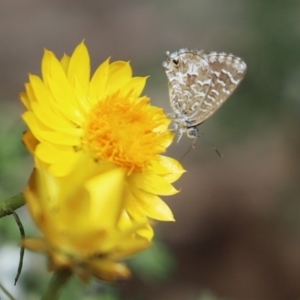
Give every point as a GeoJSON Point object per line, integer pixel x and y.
{"type": "Point", "coordinates": [211, 143]}
{"type": "Point", "coordinates": [186, 153]}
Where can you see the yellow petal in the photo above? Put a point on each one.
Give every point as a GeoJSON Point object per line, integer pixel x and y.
{"type": "Point", "coordinates": [65, 61]}
{"type": "Point", "coordinates": [79, 67]}
{"type": "Point", "coordinates": [45, 99]}
{"type": "Point", "coordinates": [25, 100]}
{"type": "Point", "coordinates": [109, 271]}
{"type": "Point", "coordinates": [60, 88]}
{"type": "Point", "coordinates": [134, 86]}
{"type": "Point", "coordinates": [119, 74]}
{"type": "Point", "coordinates": [40, 92]}
{"type": "Point", "coordinates": [30, 141]}
{"type": "Point", "coordinates": [35, 244]}
{"type": "Point", "coordinates": [151, 205]}
{"type": "Point", "coordinates": [64, 166]}
{"type": "Point", "coordinates": [131, 246]}
{"type": "Point", "coordinates": [60, 125]}
{"type": "Point", "coordinates": [153, 183]}
{"type": "Point", "coordinates": [65, 97]}
{"type": "Point", "coordinates": [170, 168]}
{"type": "Point", "coordinates": [50, 154]}
{"type": "Point", "coordinates": [106, 197]}
{"type": "Point", "coordinates": [46, 64]}
{"type": "Point", "coordinates": [98, 86]}
{"type": "Point", "coordinates": [30, 96]}
{"type": "Point", "coordinates": [147, 232]}
{"type": "Point", "coordinates": [43, 133]}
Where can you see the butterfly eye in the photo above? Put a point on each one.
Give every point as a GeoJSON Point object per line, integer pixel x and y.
{"type": "Point", "coordinates": [192, 132]}
{"type": "Point", "coordinates": [175, 62]}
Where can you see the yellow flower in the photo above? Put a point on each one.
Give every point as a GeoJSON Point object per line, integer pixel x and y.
{"type": "Point", "coordinates": [80, 233]}
{"type": "Point", "coordinates": [105, 118]}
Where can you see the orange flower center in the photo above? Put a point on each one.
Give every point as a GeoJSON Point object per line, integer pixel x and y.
{"type": "Point", "coordinates": [125, 131]}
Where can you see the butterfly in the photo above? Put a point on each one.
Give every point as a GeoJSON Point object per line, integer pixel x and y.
{"type": "Point", "coordinates": [199, 84]}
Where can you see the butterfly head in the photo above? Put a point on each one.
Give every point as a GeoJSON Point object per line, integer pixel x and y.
{"type": "Point", "coordinates": [173, 60]}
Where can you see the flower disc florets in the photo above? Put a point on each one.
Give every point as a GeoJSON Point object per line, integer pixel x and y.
{"type": "Point", "coordinates": [124, 132]}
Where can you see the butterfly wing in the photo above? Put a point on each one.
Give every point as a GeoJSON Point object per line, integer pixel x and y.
{"type": "Point", "coordinates": [189, 79]}
{"type": "Point", "coordinates": [227, 71]}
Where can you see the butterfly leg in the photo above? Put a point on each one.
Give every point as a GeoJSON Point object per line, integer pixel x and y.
{"type": "Point", "coordinates": [180, 131]}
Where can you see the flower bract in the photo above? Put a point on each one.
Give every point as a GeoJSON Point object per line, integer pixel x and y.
{"type": "Point", "coordinates": [81, 233]}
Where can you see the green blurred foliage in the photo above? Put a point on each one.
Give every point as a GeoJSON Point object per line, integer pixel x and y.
{"type": "Point", "coordinates": [13, 158]}
{"type": "Point", "coordinates": [97, 290]}
{"type": "Point", "coordinates": [156, 264]}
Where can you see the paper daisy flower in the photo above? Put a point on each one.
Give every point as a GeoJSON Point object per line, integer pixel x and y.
{"type": "Point", "coordinates": [81, 233]}
{"type": "Point", "coordinates": [104, 117]}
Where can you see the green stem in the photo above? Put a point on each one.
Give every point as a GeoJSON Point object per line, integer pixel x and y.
{"type": "Point", "coordinates": [10, 204]}
{"type": "Point", "coordinates": [57, 281]}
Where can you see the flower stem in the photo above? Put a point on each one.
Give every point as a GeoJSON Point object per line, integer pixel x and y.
{"type": "Point", "coordinates": [6, 206]}
{"type": "Point", "coordinates": [57, 281]}
{"type": "Point", "coordinates": [6, 292]}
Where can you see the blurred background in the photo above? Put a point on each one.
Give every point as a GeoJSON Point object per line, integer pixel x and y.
{"type": "Point", "coordinates": [237, 230]}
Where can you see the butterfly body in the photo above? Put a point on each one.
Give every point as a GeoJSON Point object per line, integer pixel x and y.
{"type": "Point", "coordinates": [199, 84]}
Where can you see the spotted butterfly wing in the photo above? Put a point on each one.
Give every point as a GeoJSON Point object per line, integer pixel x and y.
{"type": "Point", "coordinates": [227, 71]}
{"type": "Point", "coordinates": [189, 79]}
